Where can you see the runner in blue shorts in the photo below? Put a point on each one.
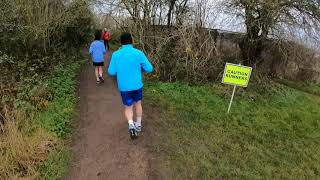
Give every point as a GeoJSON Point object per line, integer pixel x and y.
{"type": "Point", "coordinates": [127, 64]}
{"type": "Point", "coordinates": [97, 51]}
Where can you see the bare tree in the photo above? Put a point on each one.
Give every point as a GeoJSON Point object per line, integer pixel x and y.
{"type": "Point", "coordinates": [171, 4]}
{"type": "Point", "coordinates": [263, 16]}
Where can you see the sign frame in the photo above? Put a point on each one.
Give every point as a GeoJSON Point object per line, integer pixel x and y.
{"type": "Point", "coordinates": [233, 84]}
{"type": "Point", "coordinates": [239, 65]}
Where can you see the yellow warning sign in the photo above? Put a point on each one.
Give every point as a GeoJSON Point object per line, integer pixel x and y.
{"type": "Point", "coordinates": [236, 75]}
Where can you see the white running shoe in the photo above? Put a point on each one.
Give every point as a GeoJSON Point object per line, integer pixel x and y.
{"type": "Point", "coordinates": [138, 127]}
{"type": "Point", "coordinates": [133, 132]}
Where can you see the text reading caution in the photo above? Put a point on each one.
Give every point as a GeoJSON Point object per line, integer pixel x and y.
{"type": "Point", "coordinates": [236, 75]}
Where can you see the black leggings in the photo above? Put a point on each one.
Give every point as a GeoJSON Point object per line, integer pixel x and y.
{"type": "Point", "coordinates": [106, 44]}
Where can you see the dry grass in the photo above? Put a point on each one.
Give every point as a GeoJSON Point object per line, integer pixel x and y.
{"type": "Point", "coordinates": [184, 53]}
{"type": "Point", "coordinates": [35, 121]}
{"type": "Point", "coordinates": [21, 151]}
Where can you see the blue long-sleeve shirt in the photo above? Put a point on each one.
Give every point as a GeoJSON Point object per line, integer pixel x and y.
{"type": "Point", "coordinates": [127, 64]}
{"type": "Point", "coordinates": [97, 51]}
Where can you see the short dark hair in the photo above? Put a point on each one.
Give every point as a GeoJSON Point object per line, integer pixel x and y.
{"type": "Point", "coordinates": [97, 35]}
{"type": "Point", "coordinates": [126, 38]}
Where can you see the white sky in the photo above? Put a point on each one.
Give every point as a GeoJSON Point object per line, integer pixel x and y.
{"type": "Point", "coordinates": [221, 18]}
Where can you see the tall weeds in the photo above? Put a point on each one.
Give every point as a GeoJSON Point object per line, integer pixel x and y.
{"type": "Point", "coordinates": [35, 37]}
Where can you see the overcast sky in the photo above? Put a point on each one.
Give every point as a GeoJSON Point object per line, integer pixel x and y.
{"type": "Point", "coordinates": [221, 18]}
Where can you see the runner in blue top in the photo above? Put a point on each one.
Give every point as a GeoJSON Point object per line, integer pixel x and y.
{"type": "Point", "coordinates": [97, 51]}
{"type": "Point", "coordinates": [127, 64]}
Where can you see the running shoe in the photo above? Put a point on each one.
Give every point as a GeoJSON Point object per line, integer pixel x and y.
{"type": "Point", "coordinates": [138, 127]}
{"type": "Point", "coordinates": [132, 132]}
{"type": "Point", "coordinates": [101, 79]}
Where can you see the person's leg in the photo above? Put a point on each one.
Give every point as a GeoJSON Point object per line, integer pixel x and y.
{"type": "Point", "coordinates": [138, 106]}
{"type": "Point", "coordinates": [105, 43]}
{"type": "Point", "coordinates": [128, 106]}
{"type": "Point", "coordinates": [139, 112]}
{"type": "Point", "coordinates": [127, 101]}
{"type": "Point", "coordinates": [108, 46]}
{"type": "Point", "coordinates": [128, 111]}
{"type": "Point", "coordinates": [97, 73]}
{"type": "Point", "coordinates": [100, 71]}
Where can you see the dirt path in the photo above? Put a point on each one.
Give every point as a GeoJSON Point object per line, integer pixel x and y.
{"type": "Point", "coordinates": [102, 148]}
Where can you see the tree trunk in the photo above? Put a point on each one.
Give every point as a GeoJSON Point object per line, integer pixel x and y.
{"type": "Point", "coordinates": [252, 44]}
{"type": "Point", "coordinates": [171, 6]}
{"type": "Point", "coordinates": [251, 50]}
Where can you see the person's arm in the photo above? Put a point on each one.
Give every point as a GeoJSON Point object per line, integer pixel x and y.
{"type": "Point", "coordinates": [90, 49]}
{"type": "Point", "coordinates": [145, 64]}
{"type": "Point", "coordinates": [102, 36]}
{"type": "Point", "coordinates": [90, 52]}
{"type": "Point", "coordinates": [112, 70]}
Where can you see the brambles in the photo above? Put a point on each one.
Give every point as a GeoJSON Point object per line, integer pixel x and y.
{"type": "Point", "coordinates": [40, 42]}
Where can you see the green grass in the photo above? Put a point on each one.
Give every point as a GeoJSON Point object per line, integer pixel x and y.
{"type": "Point", "coordinates": [59, 114]}
{"type": "Point", "coordinates": [58, 117]}
{"type": "Point", "coordinates": [303, 86]}
{"type": "Point", "coordinates": [34, 141]}
{"type": "Point", "coordinates": [272, 133]}
{"type": "Point", "coordinates": [56, 166]}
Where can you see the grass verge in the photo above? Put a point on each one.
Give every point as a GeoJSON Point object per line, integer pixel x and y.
{"type": "Point", "coordinates": [58, 119]}
{"type": "Point", "coordinates": [33, 142]}
{"type": "Point", "coordinates": [272, 133]}
{"type": "Point", "coordinates": [303, 86]}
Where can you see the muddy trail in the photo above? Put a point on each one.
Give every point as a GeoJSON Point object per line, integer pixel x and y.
{"type": "Point", "coordinates": [101, 145]}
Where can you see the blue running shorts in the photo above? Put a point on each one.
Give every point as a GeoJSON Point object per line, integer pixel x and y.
{"type": "Point", "coordinates": [131, 97]}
